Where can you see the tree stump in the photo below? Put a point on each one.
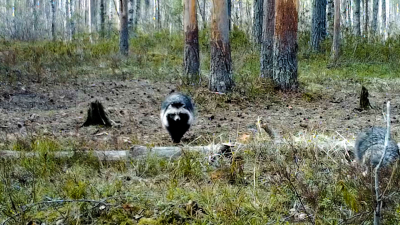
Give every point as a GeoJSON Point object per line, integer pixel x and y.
{"type": "Point", "coordinates": [96, 115]}
{"type": "Point", "coordinates": [364, 101]}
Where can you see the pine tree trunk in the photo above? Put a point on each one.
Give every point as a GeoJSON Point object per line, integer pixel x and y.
{"type": "Point", "coordinates": [191, 53]}
{"type": "Point", "coordinates": [366, 21]}
{"type": "Point", "coordinates": [384, 17]}
{"type": "Point", "coordinates": [67, 19]}
{"type": "Point", "coordinates": [123, 33]}
{"type": "Point", "coordinates": [258, 19]}
{"type": "Point", "coordinates": [72, 19]}
{"type": "Point", "coordinates": [357, 18]}
{"type": "Point", "coordinates": [285, 45]}
{"type": "Point", "coordinates": [138, 14]}
{"type": "Point", "coordinates": [53, 20]}
{"type": "Point", "coordinates": [131, 14]}
{"type": "Point", "coordinates": [102, 18]}
{"type": "Point", "coordinates": [330, 17]}
{"type": "Point", "coordinates": [158, 15]}
{"type": "Point", "coordinates": [267, 44]}
{"type": "Point", "coordinates": [336, 34]}
{"type": "Point", "coordinates": [375, 16]}
{"type": "Point", "coordinates": [221, 63]}
{"type": "Point", "coordinates": [230, 13]}
{"type": "Point", "coordinates": [318, 28]}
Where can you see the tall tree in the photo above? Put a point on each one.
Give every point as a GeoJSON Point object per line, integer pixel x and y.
{"type": "Point", "coordinates": [137, 16]}
{"type": "Point", "coordinates": [336, 35]}
{"type": "Point", "coordinates": [267, 44]}
{"type": "Point", "coordinates": [102, 18]}
{"type": "Point", "coordinates": [285, 45]}
{"type": "Point", "coordinates": [158, 15]}
{"type": "Point", "coordinates": [72, 18]}
{"type": "Point", "coordinates": [384, 17]}
{"type": "Point", "coordinates": [258, 19]}
{"type": "Point", "coordinates": [131, 14]}
{"type": "Point", "coordinates": [191, 53]}
{"type": "Point", "coordinates": [123, 33]}
{"type": "Point", "coordinates": [366, 20]}
{"type": "Point", "coordinates": [357, 18]}
{"type": "Point", "coordinates": [230, 13]}
{"type": "Point", "coordinates": [330, 13]}
{"type": "Point", "coordinates": [375, 16]}
{"type": "Point", "coordinates": [318, 28]}
{"type": "Point", "coordinates": [53, 20]}
{"type": "Point", "coordinates": [221, 63]}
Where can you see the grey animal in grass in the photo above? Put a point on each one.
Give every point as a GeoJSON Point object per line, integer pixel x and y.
{"type": "Point", "coordinates": [369, 147]}
{"type": "Point", "coordinates": [177, 115]}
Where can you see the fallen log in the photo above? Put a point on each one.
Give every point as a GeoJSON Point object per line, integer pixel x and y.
{"type": "Point", "coordinates": [136, 152]}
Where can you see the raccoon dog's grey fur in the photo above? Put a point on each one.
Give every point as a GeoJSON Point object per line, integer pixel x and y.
{"type": "Point", "coordinates": [177, 115]}
{"type": "Point", "coordinates": [370, 144]}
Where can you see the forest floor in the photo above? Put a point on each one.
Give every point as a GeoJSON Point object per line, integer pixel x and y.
{"type": "Point", "coordinates": [59, 110]}
{"type": "Point", "coordinates": [310, 178]}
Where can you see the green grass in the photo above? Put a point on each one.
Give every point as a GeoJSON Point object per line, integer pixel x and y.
{"type": "Point", "coordinates": [273, 186]}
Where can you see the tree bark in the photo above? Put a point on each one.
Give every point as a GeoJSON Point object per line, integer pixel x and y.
{"type": "Point", "coordinates": [131, 14]}
{"type": "Point", "coordinates": [72, 19]}
{"type": "Point", "coordinates": [330, 17]}
{"type": "Point", "coordinates": [102, 18]}
{"type": "Point", "coordinates": [53, 20]}
{"type": "Point", "coordinates": [191, 53]}
{"type": "Point", "coordinates": [375, 16]}
{"type": "Point", "coordinates": [258, 20]}
{"type": "Point", "coordinates": [158, 15]}
{"type": "Point", "coordinates": [230, 13]}
{"type": "Point", "coordinates": [384, 17]}
{"type": "Point", "coordinates": [285, 45]}
{"type": "Point", "coordinates": [138, 14]}
{"type": "Point", "coordinates": [366, 19]}
{"type": "Point", "coordinates": [336, 34]}
{"type": "Point", "coordinates": [267, 44]}
{"type": "Point", "coordinates": [221, 63]}
{"type": "Point", "coordinates": [123, 33]}
{"type": "Point", "coordinates": [357, 18]}
{"type": "Point", "coordinates": [318, 28]}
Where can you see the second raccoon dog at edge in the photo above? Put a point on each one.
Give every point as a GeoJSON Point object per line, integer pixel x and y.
{"type": "Point", "coordinates": [369, 147]}
{"type": "Point", "coordinates": [177, 115]}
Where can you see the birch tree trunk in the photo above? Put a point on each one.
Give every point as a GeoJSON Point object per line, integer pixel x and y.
{"type": "Point", "coordinates": [267, 44]}
{"type": "Point", "coordinates": [357, 18]}
{"type": "Point", "coordinates": [221, 63]}
{"type": "Point", "coordinates": [258, 19]}
{"type": "Point", "coordinates": [123, 33]}
{"type": "Point", "coordinates": [336, 34]}
{"type": "Point", "coordinates": [285, 45]}
{"type": "Point", "coordinates": [318, 28]}
{"type": "Point", "coordinates": [191, 53]}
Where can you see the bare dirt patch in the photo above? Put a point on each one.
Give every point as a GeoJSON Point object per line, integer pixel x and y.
{"type": "Point", "coordinates": [60, 109]}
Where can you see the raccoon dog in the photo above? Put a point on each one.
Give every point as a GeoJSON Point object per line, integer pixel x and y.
{"type": "Point", "coordinates": [177, 115]}
{"type": "Point", "coordinates": [369, 147]}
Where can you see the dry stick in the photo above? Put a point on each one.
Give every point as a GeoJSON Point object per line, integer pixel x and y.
{"type": "Point", "coordinates": [377, 212]}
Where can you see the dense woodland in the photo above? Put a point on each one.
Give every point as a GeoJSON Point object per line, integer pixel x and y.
{"type": "Point", "coordinates": [281, 89]}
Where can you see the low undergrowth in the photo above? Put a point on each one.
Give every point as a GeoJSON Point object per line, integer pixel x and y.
{"type": "Point", "coordinates": [263, 184]}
